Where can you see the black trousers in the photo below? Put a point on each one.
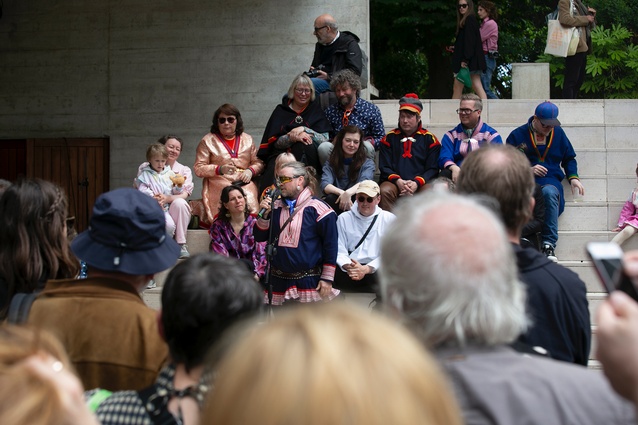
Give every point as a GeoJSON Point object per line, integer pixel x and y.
{"type": "Point", "coordinates": [574, 74]}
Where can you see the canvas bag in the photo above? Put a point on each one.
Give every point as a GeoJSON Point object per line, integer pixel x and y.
{"type": "Point", "coordinates": [561, 41]}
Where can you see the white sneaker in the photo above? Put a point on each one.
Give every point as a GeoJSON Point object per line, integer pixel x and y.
{"type": "Point", "coordinates": [548, 250]}
{"type": "Point", "coordinates": [151, 284]}
{"type": "Point", "coordinates": [183, 253]}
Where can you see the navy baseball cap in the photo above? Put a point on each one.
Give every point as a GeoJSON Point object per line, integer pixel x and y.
{"type": "Point", "coordinates": [547, 113]}
{"type": "Point", "coordinates": [127, 233]}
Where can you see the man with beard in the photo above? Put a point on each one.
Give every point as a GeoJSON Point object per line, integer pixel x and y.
{"type": "Point", "coordinates": [408, 155]}
{"type": "Point", "coordinates": [352, 110]}
{"type": "Point", "coordinates": [469, 135]}
{"type": "Point", "coordinates": [548, 149]}
{"type": "Point", "coordinates": [305, 238]}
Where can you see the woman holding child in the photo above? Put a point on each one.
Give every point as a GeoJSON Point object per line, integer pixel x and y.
{"type": "Point", "coordinates": [227, 156]}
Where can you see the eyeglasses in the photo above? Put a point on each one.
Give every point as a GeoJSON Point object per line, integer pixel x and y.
{"type": "Point", "coordinates": [462, 6]}
{"type": "Point", "coordinates": [281, 180]}
{"type": "Point", "coordinates": [303, 91]}
{"type": "Point", "coordinates": [320, 28]}
{"type": "Point", "coordinates": [363, 199]}
{"type": "Point", "coordinates": [466, 111]}
{"type": "Point", "coordinates": [229, 119]}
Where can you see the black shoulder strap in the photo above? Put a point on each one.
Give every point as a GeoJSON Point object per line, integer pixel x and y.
{"type": "Point", "coordinates": [20, 307]}
{"type": "Point", "coordinates": [156, 406]}
{"type": "Point", "coordinates": [363, 238]}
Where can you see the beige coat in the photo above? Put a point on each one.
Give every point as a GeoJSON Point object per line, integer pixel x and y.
{"type": "Point", "coordinates": [574, 19]}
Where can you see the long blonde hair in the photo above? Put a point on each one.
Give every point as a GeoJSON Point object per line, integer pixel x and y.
{"type": "Point", "coordinates": [329, 365]}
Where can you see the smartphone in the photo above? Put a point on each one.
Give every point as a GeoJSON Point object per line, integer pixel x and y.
{"type": "Point", "coordinates": [607, 259]}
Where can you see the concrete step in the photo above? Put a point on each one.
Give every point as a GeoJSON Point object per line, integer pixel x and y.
{"type": "Point", "coordinates": [571, 244]}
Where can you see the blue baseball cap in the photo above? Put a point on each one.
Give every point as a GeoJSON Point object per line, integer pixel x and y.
{"type": "Point", "coordinates": [547, 113]}
{"type": "Point", "coordinates": [127, 233]}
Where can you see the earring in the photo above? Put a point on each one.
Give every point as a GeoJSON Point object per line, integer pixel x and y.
{"type": "Point", "coordinates": [227, 214]}
{"type": "Point", "coordinates": [298, 187]}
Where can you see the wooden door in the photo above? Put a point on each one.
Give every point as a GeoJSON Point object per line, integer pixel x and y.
{"type": "Point", "coordinates": [79, 166]}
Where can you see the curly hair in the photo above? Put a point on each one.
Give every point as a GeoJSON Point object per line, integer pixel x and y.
{"type": "Point", "coordinates": [337, 158]}
{"type": "Point", "coordinates": [346, 77]}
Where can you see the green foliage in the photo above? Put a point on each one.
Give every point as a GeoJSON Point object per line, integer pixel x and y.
{"type": "Point", "coordinates": [612, 68]}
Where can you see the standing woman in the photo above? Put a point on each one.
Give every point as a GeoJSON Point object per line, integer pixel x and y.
{"type": "Point", "coordinates": [347, 166]}
{"type": "Point", "coordinates": [34, 246]}
{"type": "Point", "coordinates": [489, 37]}
{"type": "Point", "coordinates": [232, 232]}
{"type": "Point", "coordinates": [584, 18]}
{"type": "Point", "coordinates": [227, 156]}
{"type": "Point", "coordinates": [468, 49]}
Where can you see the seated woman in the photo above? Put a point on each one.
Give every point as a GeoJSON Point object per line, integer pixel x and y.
{"type": "Point", "coordinates": [179, 210]}
{"type": "Point", "coordinates": [345, 168]}
{"type": "Point", "coordinates": [297, 125]}
{"type": "Point", "coordinates": [232, 232]}
{"type": "Point", "coordinates": [227, 156]}
{"type": "Point", "coordinates": [34, 246]}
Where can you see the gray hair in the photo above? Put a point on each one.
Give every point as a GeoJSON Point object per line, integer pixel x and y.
{"type": "Point", "coordinates": [447, 266]}
{"type": "Point", "coordinates": [301, 80]}
{"type": "Point", "coordinates": [478, 103]}
{"type": "Point", "coordinates": [299, 169]}
{"type": "Point", "coordinates": [346, 77]}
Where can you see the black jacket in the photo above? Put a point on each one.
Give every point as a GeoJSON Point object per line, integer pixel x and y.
{"type": "Point", "coordinates": [346, 54]}
{"type": "Point", "coordinates": [557, 304]}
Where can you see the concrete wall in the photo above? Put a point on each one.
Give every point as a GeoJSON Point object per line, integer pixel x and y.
{"type": "Point", "coordinates": [133, 70]}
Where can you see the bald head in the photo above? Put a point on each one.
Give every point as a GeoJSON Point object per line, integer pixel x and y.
{"type": "Point", "coordinates": [505, 174]}
{"type": "Point", "coordinates": [325, 29]}
{"type": "Point", "coordinates": [449, 269]}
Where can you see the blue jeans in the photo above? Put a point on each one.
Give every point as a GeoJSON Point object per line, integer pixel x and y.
{"type": "Point", "coordinates": [486, 77]}
{"type": "Point", "coordinates": [551, 195]}
{"type": "Point", "coordinates": [320, 85]}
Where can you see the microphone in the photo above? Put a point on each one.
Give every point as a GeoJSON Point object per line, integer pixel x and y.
{"type": "Point", "coordinates": [272, 194]}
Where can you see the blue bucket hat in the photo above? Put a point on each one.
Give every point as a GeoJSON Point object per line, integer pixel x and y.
{"type": "Point", "coordinates": [127, 233]}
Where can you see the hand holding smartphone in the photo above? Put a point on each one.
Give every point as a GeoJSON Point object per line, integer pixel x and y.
{"type": "Point", "coordinates": [607, 259]}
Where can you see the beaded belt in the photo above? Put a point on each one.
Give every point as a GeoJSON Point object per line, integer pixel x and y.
{"type": "Point", "coordinates": [315, 271]}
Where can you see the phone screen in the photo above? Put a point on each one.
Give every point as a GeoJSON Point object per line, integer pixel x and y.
{"type": "Point", "coordinates": [607, 259]}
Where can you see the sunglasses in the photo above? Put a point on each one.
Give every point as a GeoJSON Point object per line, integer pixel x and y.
{"type": "Point", "coordinates": [229, 119]}
{"type": "Point", "coordinates": [285, 179]}
{"type": "Point", "coordinates": [363, 199]}
{"type": "Point", "coordinates": [462, 6]}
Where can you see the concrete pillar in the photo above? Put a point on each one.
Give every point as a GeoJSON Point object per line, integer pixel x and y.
{"type": "Point", "coordinates": [530, 81]}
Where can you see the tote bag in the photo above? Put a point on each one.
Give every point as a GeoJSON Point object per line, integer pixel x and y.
{"type": "Point", "coordinates": [561, 41]}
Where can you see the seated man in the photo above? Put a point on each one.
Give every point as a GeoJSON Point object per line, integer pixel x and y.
{"type": "Point", "coordinates": [448, 269]}
{"type": "Point", "coordinates": [335, 50]}
{"type": "Point", "coordinates": [360, 231]}
{"type": "Point", "coordinates": [548, 149]}
{"type": "Point", "coordinates": [110, 334]}
{"type": "Point", "coordinates": [469, 135]}
{"type": "Point", "coordinates": [556, 296]}
{"type": "Point", "coordinates": [408, 156]}
{"type": "Point", "coordinates": [196, 311]}
{"type": "Point", "coordinates": [352, 110]}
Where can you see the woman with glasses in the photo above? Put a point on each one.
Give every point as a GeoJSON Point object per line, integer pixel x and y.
{"type": "Point", "coordinates": [297, 125]}
{"type": "Point", "coordinates": [468, 49]}
{"type": "Point", "coordinates": [227, 156]}
{"type": "Point", "coordinates": [347, 166]}
{"type": "Point", "coordinates": [304, 234]}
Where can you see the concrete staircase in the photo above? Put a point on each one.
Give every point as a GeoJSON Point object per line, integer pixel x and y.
{"type": "Point", "coordinates": [600, 131]}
